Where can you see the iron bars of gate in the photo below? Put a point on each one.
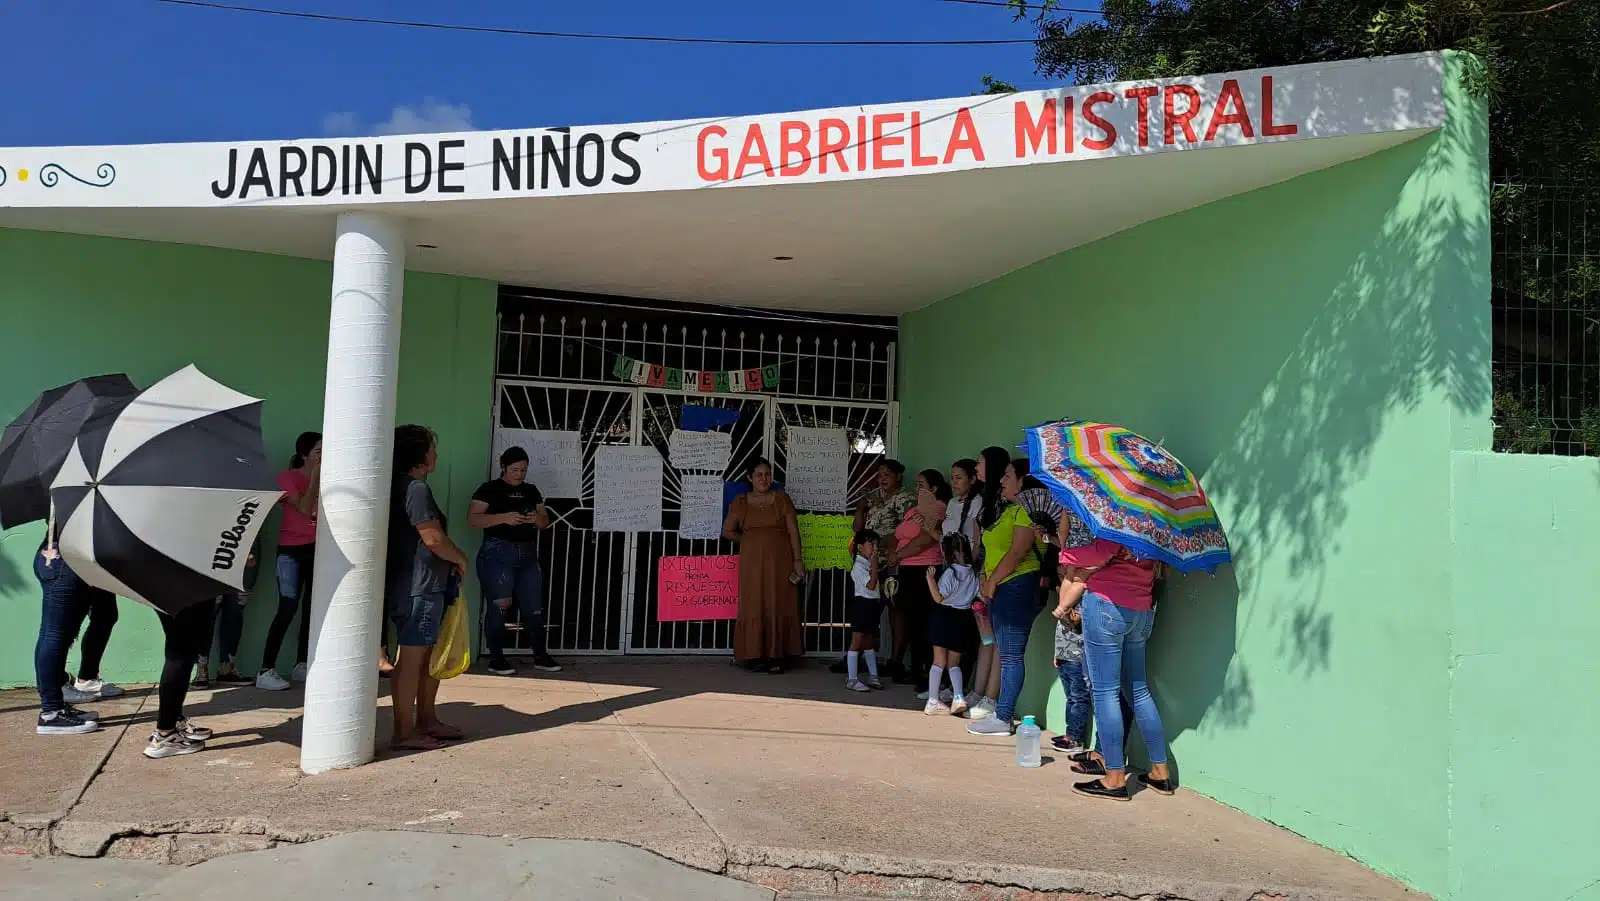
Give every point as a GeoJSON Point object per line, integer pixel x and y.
{"type": "Point", "coordinates": [581, 342]}
{"type": "Point", "coordinates": [600, 587]}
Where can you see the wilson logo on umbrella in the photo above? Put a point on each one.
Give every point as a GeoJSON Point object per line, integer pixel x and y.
{"type": "Point", "coordinates": [232, 538]}
{"type": "Point", "coordinates": [157, 499]}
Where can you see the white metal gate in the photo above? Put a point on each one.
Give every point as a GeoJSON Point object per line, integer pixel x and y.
{"type": "Point", "coordinates": [601, 586]}
{"type": "Point", "coordinates": [872, 430]}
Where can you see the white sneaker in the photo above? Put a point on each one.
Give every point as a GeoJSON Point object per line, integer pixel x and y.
{"type": "Point", "coordinates": [935, 707]}
{"type": "Point", "coordinates": [989, 726]}
{"type": "Point", "coordinates": [175, 744]}
{"type": "Point", "coordinates": [194, 732]}
{"type": "Point", "coordinates": [981, 710]}
{"type": "Point", "coordinates": [99, 688]}
{"type": "Point", "coordinates": [73, 695]}
{"type": "Point", "coordinates": [269, 680]}
{"type": "Point", "coordinates": [298, 674]}
{"type": "Point", "coordinates": [958, 707]}
{"type": "Point", "coordinates": [856, 685]}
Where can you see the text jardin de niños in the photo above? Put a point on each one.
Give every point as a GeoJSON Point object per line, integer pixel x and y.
{"type": "Point", "coordinates": [555, 158]}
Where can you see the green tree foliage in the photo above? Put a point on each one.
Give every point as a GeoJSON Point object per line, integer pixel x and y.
{"type": "Point", "coordinates": [1537, 63]}
{"type": "Point", "coordinates": [1540, 58]}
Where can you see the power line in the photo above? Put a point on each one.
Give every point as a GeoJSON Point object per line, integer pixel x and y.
{"type": "Point", "coordinates": [584, 36]}
{"type": "Point", "coordinates": [1030, 7]}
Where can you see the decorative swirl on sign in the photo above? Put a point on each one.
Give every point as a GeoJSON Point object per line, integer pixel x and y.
{"type": "Point", "coordinates": [50, 174]}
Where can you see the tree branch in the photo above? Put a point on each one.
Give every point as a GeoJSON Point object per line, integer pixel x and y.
{"type": "Point", "coordinates": [1534, 12]}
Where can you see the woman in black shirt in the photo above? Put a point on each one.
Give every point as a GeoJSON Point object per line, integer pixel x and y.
{"type": "Point", "coordinates": [510, 511]}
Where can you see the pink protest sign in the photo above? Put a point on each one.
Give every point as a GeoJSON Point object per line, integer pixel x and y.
{"type": "Point", "coordinates": [695, 588]}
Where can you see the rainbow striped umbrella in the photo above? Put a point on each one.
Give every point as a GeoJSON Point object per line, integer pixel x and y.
{"type": "Point", "coordinates": [1130, 490]}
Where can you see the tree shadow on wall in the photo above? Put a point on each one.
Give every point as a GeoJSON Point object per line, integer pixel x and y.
{"type": "Point", "coordinates": [11, 575]}
{"type": "Point", "coordinates": [1384, 284]}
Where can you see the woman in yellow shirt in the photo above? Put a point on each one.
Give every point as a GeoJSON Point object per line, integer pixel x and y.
{"type": "Point", "coordinates": [1010, 582]}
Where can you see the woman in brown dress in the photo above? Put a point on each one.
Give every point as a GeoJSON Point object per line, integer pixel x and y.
{"type": "Point", "coordinates": [767, 633]}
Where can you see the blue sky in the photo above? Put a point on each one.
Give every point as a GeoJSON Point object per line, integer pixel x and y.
{"type": "Point", "coordinates": [131, 71]}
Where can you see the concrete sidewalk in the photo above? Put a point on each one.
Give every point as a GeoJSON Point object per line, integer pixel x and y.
{"type": "Point", "coordinates": [382, 866]}
{"type": "Point", "coordinates": [785, 781]}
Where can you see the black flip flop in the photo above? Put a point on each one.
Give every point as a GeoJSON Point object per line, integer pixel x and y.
{"type": "Point", "coordinates": [1097, 789]}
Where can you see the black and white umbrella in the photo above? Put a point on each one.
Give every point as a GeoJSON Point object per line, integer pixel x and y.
{"type": "Point", "coordinates": [161, 499]}
{"type": "Point", "coordinates": [34, 444]}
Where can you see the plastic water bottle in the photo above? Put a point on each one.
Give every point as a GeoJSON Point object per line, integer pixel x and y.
{"type": "Point", "coordinates": [1028, 743]}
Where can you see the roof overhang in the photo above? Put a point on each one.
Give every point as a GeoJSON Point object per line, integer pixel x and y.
{"type": "Point", "coordinates": [881, 209]}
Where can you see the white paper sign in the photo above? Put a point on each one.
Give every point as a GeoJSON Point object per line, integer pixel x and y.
{"type": "Point", "coordinates": [627, 489]}
{"type": "Point", "coordinates": [816, 474]}
{"type": "Point", "coordinates": [555, 458]}
{"type": "Point", "coordinates": [702, 507]}
{"type": "Point", "coordinates": [700, 450]}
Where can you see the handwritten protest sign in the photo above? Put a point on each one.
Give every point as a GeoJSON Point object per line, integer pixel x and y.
{"type": "Point", "coordinates": [825, 540]}
{"type": "Point", "coordinates": [555, 458]}
{"type": "Point", "coordinates": [701, 510]}
{"type": "Point", "coordinates": [695, 588]}
{"type": "Point", "coordinates": [700, 450]}
{"type": "Point", "coordinates": [627, 489]}
{"type": "Point", "coordinates": [816, 468]}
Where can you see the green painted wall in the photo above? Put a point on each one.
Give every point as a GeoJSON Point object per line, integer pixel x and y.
{"type": "Point", "coordinates": [76, 306]}
{"type": "Point", "coordinates": [1523, 673]}
{"type": "Point", "coordinates": [1315, 351]}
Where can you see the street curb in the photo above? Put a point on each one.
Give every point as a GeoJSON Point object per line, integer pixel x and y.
{"type": "Point", "coordinates": [790, 873]}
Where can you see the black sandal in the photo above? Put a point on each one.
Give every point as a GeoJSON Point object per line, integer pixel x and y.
{"type": "Point", "coordinates": [1088, 766]}
{"type": "Point", "coordinates": [1163, 786]}
{"type": "Point", "coordinates": [1098, 789]}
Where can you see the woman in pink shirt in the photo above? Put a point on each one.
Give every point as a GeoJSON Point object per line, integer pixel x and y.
{"type": "Point", "coordinates": [916, 547]}
{"type": "Point", "coordinates": [1118, 615]}
{"type": "Point", "coordinates": [297, 543]}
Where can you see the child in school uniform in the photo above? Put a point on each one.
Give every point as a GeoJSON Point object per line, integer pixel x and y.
{"type": "Point", "coordinates": [865, 611]}
{"type": "Point", "coordinates": [951, 627]}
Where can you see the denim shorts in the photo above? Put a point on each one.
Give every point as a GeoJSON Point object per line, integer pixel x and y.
{"type": "Point", "coordinates": [419, 626]}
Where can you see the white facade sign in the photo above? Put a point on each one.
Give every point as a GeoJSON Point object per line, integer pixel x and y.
{"type": "Point", "coordinates": [817, 467]}
{"type": "Point", "coordinates": [1291, 103]}
{"type": "Point", "coordinates": [627, 489]}
{"type": "Point", "coordinates": [702, 507]}
{"type": "Point", "coordinates": [700, 450]}
{"type": "Point", "coordinates": [555, 458]}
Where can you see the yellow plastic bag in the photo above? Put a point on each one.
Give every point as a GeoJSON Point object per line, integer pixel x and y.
{"type": "Point", "coordinates": [453, 653]}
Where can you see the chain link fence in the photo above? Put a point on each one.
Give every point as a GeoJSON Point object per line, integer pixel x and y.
{"type": "Point", "coordinates": [1546, 273]}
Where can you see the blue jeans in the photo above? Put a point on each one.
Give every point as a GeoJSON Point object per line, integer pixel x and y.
{"type": "Point", "coordinates": [1080, 702]}
{"type": "Point", "coordinates": [1075, 683]}
{"type": "Point", "coordinates": [1013, 609]}
{"type": "Point", "coordinates": [66, 600]}
{"type": "Point", "coordinates": [228, 613]}
{"type": "Point", "coordinates": [510, 569]}
{"type": "Point", "coordinates": [1114, 645]}
{"type": "Point", "coordinates": [293, 569]}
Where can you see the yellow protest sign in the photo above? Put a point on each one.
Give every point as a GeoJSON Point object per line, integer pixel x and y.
{"type": "Point", "coordinates": [825, 540]}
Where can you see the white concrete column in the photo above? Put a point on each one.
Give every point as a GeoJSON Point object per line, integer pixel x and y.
{"type": "Point", "coordinates": [357, 447]}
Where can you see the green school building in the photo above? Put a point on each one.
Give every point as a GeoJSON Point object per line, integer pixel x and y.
{"type": "Point", "coordinates": [1282, 274]}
